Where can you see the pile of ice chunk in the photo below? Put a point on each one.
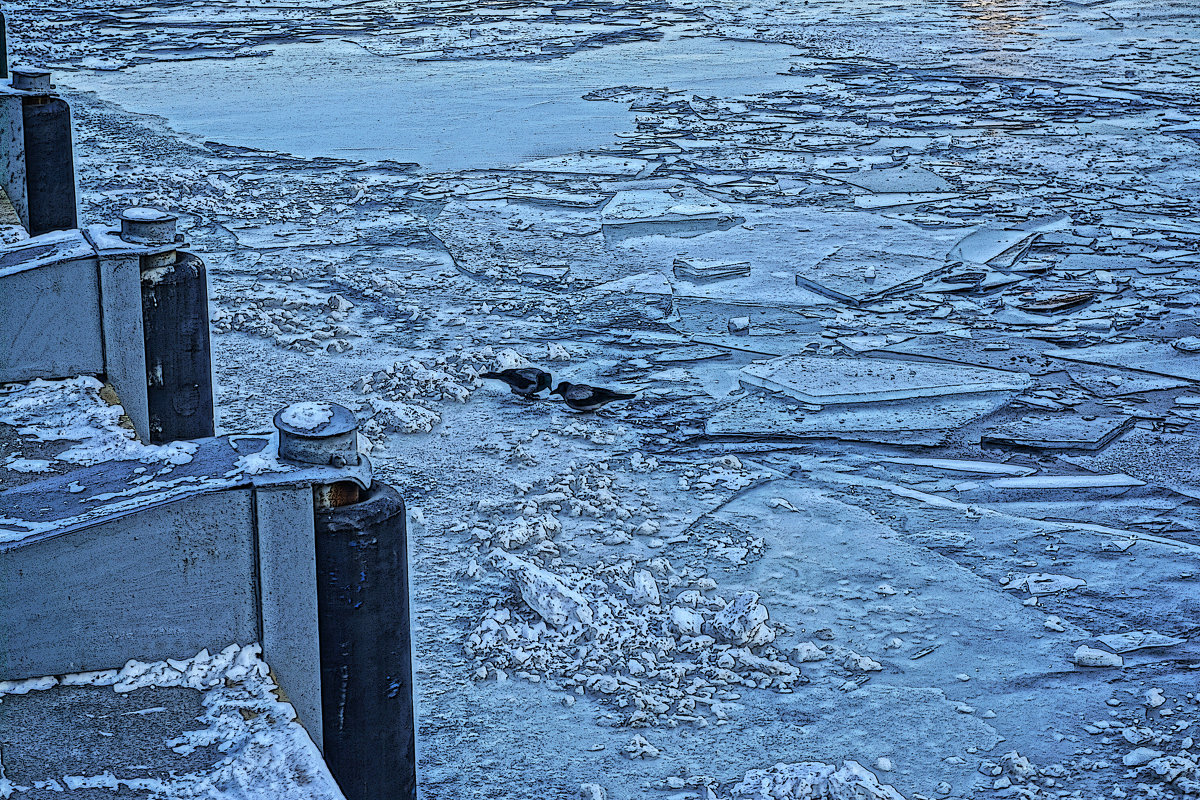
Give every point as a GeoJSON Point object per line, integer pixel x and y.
{"type": "Point", "coordinates": [660, 644]}
{"type": "Point", "coordinates": [403, 397]}
{"type": "Point", "coordinates": [546, 594]}
{"type": "Point", "coordinates": [451, 377]}
{"type": "Point", "coordinates": [812, 780]}
{"type": "Point", "coordinates": [743, 622]}
{"type": "Point", "coordinates": [586, 631]}
{"type": "Point", "coordinates": [307, 324]}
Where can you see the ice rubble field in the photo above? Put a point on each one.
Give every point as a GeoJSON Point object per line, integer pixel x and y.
{"type": "Point", "coordinates": [908, 497]}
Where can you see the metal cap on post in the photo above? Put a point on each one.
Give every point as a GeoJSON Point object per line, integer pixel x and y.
{"type": "Point", "coordinates": [324, 434]}
{"type": "Point", "coordinates": [148, 226]}
{"type": "Point", "coordinates": [318, 433]}
{"type": "Point", "coordinates": [30, 79]}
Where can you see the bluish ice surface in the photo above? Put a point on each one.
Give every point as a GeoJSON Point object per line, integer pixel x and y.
{"type": "Point", "coordinates": [341, 101]}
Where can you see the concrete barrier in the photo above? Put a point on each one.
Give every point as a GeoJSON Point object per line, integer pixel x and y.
{"type": "Point", "coordinates": [37, 169]}
{"type": "Point", "coordinates": [131, 309]}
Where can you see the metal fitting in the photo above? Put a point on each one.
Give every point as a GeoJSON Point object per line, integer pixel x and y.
{"type": "Point", "coordinates": [148, 226]}
{"type": "Point", "coordinates": [320, 433]}
{"type": "Point", "coordinates": [27, 79]}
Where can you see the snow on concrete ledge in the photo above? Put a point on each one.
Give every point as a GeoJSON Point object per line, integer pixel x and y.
{"type": "Point", "coordinates": [247, 742]}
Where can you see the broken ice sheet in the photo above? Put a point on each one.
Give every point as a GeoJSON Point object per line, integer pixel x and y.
{"type": "Point", "coordinates": [996, 246]}
{"type": "Point", "coordinates": [907, 178]}
{"type": "Point", "coordinates": [1107, 383]}
{"type": "Point", "coordinates": [587, 164]}
{"type": "Point", "coordinates": [1041, 583]}
{"type": "Point", "coordinates": [994, 352]}
{"type": "Point", "coordinates": [683, 204]}
{"type": "Point", "coordinates": [1050, 301]}
{"type": "Point", "coordinates": [897, 199]}
{"type": "Point", "coordinates": [1061, 432]}
{"type": "Point", "coordinates": [1167, 459]}
{"type": "Point", "coordinates": [700, 270]}
{"type": "Point", "coordinates": [269, 235]}
{"type": "Point", "coordinates": [1155, 357]}
{"type": "Point", "coordinates": [856, 276]}
{"type": "Point", "coordinates": [1137, 640]}
{"type": "Point", "coordinates": [1115, 481]}
{"type": "Point", "coordinates": [840, 381]}
{"type": "Point", "coordinates": [921, 421]}
{"type": "Point", "coordinates": [958, 465]}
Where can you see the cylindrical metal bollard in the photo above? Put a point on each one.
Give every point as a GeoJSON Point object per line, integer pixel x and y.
{"type": "Point", "coordinates": [179, 390]}
{"type": "Point", "coordinates": [366, 666]}
{"type": "Point", "coordinates": [31, 79]}
{"type": "Point", "coordinates": [49, 164]}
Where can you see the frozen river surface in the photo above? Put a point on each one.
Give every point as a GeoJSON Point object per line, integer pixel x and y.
{"type": "Point", "coordinates": [906, 293]}
{"type": "Point", "coordinates": [340, 100]}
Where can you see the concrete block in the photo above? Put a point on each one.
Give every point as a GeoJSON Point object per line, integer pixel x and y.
{"type": "Point", "coordinates": [164, 583]}
{"type": "Point", "coordinates": [287, 577]}
{"type": "Point", "coordinates": [12, 155]}
{"type": "Point", "coordinates": [49, 302]}
{"type": "Point", "coordinates": [124, 341]}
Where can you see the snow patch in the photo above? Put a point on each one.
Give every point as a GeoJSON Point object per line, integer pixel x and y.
{"type": "Point", "coordinates": [307, 416]}
{"type": "Point", "coordinates": [72, 410]}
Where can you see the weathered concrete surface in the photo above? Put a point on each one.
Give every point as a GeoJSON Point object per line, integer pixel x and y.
{"type": "Point", "coordinates": [89, 730]}
{"type": "Point", "coordinates": [179, 579]}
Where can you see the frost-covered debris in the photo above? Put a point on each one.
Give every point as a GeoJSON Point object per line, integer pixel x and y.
{"type": "Point", "coordinates": [263, 749]}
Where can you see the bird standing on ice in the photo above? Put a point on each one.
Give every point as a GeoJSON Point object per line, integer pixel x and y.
{"type": "Point", "coordinates": [525, 382]}
{"type": "Point", "coordinates": [581, 397]}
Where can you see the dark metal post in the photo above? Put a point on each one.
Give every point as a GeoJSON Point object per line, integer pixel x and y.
{"type": "Point", "coordinates": [366, 666]}
{"type": "Point", "coordinates": [49, 164]}
{"type": "Point", "coordinates": [3, 46]}
{"type": "Point", "coordinates": [368, 733]}
{"type": "Point", "coordinates": [179, 390]}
